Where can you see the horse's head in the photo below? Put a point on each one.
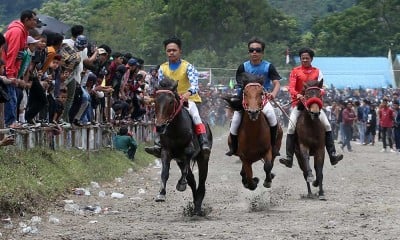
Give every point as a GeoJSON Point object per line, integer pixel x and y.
{"type": "Point", "coordinates": [312, 91]}
{"type": "Point", "coordinates": [254, 97]}
{"type": "Point", "coordinates": [167, 103]}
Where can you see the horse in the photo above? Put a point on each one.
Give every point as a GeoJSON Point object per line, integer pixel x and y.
{"type": "Point", "coordinates": [310, 136]}
{"type": "Point", "coordinates": [254, 138]}
{"type": "Point", "coordinates": [179, 141]}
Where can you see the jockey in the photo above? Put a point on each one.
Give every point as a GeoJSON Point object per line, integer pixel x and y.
{"type": "Point", "coordinates": [178, 69]}
{"type": "Point", "coordinates": [257, 66]}
{"type": "Point", "coordinates": [297, 77]}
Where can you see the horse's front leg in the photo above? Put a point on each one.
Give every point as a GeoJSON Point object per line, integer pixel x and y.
{"type": "Point", "coordinates": [202, 164]}
{"type": "Point", "coordinates": [247, 175]}
{"type": "Point", "coordinates": [307, 172]}
{"type": "Point", "coordinates": [184, 166]}
{"type": "Point", "coordinates": [268, 165]}
{"type": "Point", "coordinates": [166, 162]}
{"type": "Point", "coordinates": [319, 165]}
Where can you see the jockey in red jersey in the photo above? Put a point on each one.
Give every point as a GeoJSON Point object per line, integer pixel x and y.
{"type": "Point", "coordinates": [299, 75]}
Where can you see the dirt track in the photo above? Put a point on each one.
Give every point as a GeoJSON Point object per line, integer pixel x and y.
{"type": "Point", "coordinates": [362, 203]}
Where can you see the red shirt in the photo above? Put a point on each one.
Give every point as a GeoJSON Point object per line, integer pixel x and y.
{"type": "Point", "coordinates": [298, 76]}
{"type": "Point", "coordinates": [386, 117]}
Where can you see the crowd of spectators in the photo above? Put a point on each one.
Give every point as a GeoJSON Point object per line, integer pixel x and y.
{"type": "Point", "coordinates": [103, 86]}
{"type": "Point", "coordinates": [53, 80]}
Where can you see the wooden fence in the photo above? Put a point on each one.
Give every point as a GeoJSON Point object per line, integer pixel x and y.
{"type": "Point", "coordinates": [88, 137]}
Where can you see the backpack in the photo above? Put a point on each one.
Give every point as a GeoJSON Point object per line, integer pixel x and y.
{"type": "Point", "coordinates": [70, 57]}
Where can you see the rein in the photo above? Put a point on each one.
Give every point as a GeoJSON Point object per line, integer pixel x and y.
{"type": "Point", "coordinates": [264, 98]}
{"type": "Point", "coordinates": [177, 105]}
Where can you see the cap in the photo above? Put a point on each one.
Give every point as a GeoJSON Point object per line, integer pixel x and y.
{"type": "Point", "coordinates": [132, 62]}
{"type": "Point", "coordinates": [101, 51]}
{"type": "Point", "coordinates": [81, 41]}
{"type": "Point", "coordinates": [31, 40]}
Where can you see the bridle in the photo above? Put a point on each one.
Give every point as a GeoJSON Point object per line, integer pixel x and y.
{"type": "Point", "coordinates": [307, 101]}
{"type": "Point", "coordinates": [264, 98]}
{"type": "Point", "coordinates": [177, 106]}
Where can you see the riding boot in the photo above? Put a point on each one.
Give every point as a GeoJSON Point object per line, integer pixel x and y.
{"type": "Point", "coordinates": [156, 149]}
{"type": "Point", "coordinates": [203, 140]}
{"type": "Point", "coordinates": [288, 161]}
{"type": "Point", "coordinates": [233, 146]}
{"type": "Point", "coordinates": [330, 148]}
{"type": "Point", "coordinates": [274, 131]}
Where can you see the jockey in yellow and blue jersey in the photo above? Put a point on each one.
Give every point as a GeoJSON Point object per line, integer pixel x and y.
{"type": "Point", "coordinates": [187, 76]}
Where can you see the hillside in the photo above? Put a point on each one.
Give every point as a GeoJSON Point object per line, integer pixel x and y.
{"type": "Point", "coordinates": [306, 11]}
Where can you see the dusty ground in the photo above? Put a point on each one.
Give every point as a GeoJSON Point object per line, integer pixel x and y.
{"type": "Point", "coordinates": [362, 203]}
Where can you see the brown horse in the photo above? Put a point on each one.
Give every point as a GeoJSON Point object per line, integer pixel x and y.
{"type": "Point", "coordinates": [310, 136]}
{"type": "Point", "coordinates": [254, 139]}
{"type": "Point", "coordinates": [179, 141]}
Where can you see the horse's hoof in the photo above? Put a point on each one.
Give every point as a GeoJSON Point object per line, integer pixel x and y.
{"type": "Point", "coordinates": [160, 198]}
{"type": "Point", "coordinates": [315, 183]}
{"type": "Point", "coordinates": [267, 184]}
{"type": "Point", "coordinates": [256, 180]}
{"type": "Point", "coordinates": [322, 198]}
{"type": "Point", "coordinates": [199, 213]}
{"type": "Point", "coordinates": [181, 186]}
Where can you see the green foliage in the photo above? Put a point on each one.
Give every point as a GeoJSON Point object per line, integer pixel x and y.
{"type": "Point", "coordinates": [363, 30]}
{"type": "Point", "coordinates": [307, 11]}
{"type": "Point", "coordinates": [70, 12]}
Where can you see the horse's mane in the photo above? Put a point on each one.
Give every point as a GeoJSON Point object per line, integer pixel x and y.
{"type": "Point", "coordinates": [251, 78]}
{"type": "Point", "coordinates": [313, 83]}
{"type": "Point", "coordinates": [167, 84]}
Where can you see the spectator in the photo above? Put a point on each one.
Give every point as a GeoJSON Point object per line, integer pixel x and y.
{"type": "Point", "coordinates": [396, 127]}
{"type": "Point", "coordinates": [126, 143]}
{"type": "Point", "coordinates": [362, 116]}
{"type": "Point", "coordinates": [386, 122]}
{"type": "Point", "coordinates": [56, 106]}
{"type": "Point", "coordinates": [348, 118]}
{"type": "Point", "coordinates": [371, 125]}
{"type": "Point", "coordinates": [16, 37]}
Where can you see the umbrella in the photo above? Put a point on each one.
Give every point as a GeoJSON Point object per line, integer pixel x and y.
{"type": "Point", "coordinates": [53, 24]}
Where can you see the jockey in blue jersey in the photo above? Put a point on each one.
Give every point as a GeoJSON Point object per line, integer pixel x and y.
{"type": "Point", "coordinates": [257, 66]}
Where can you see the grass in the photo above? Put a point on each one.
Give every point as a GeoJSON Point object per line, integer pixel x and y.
{"type": "Point", "coordinates": [31, 179]}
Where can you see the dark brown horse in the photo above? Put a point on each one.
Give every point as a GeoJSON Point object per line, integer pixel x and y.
{"type": "Point", "coordinates": [179, 141]}
{"type": "Point", "coordinates": [254, 139]}
{"type": "Point", "coordinates": [310, 136]}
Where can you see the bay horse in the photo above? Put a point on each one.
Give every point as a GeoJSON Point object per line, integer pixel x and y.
{"type": "Point", "coordinates": [310, 136]}
{"type": "Point", "coordinates": [179, 141]}
{"type": "Point", "coordinates": [254, 138]}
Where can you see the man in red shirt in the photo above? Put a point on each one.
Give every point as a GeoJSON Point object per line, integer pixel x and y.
{"type": "Point", "coordinates": [16, 41]}
{"type": "Point", "coordinates": [386, 122]}
{"type": "Point", "coordinates": [299, 75]}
